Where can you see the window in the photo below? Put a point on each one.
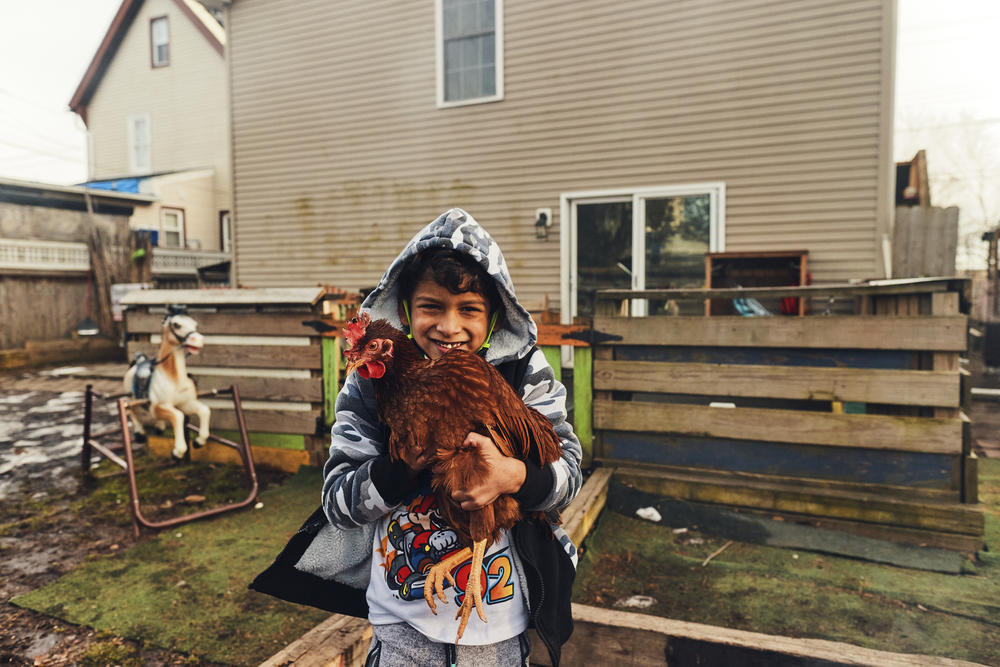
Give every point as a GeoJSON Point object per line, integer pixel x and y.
{"type": "Point", "coordinates": [469, 51]}
{"type": "Point", "coordinates": [225, 231]}
{"type": "Point", "coordinates": [139, 159]}
{"type": "Point", "coordinates": [172, 228]}
{"type": "Point", "coordinates": [649, 238]}
{"type": "Point", "coordinates": [159, 38]}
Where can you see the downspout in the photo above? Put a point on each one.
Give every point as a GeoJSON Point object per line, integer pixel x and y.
{"type": "Point", "coordinates": [233, 215]}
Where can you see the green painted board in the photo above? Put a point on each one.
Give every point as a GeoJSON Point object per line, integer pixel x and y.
{"type": "Point", "coordinates": [583, 398]}
{"type": "Point", "coordinates": [331, 378]}
{"type": "Point", "coordinates": [264, 439]}
{"type": "Point", "coordinates": [554, 357]}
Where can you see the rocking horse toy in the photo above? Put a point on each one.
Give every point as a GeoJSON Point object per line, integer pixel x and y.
{"type": "Point", "coordinates": [160, 390]}
{"type": "Point", "coordinates": [165, 382]}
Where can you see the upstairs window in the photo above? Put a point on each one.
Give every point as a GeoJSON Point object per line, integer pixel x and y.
{"type": "Point", "coordinates": [159, 31]}
{"type": "Point", "coordinates": [139, 160]}
{"type": "Point", "coordinates": [469, 51]}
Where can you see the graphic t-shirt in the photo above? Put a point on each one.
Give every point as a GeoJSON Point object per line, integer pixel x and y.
{"type": "Point", "coordinates": [412, 538]}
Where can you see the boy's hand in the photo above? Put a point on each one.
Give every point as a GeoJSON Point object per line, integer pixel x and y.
{"type": "Point", "coordinates": [506, 475]}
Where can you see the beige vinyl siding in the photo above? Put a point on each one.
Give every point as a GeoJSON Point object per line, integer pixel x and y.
{"type": "Point", "coordinates": [187, 106]}
{"type": "Point", "coordinates": [341, 154]}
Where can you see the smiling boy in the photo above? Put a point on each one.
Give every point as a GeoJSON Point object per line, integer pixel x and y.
{"type": "Point", "coordinates": [450, 288]}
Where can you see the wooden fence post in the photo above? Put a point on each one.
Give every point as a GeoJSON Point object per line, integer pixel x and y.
{"type": "Point", "coordinates": [583, 400]}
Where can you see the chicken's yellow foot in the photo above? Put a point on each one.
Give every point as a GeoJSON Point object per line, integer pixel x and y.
{"type": "Point", "coordinates": [434, 583]}
{"type": "Point", "coordinates": [473, 589]}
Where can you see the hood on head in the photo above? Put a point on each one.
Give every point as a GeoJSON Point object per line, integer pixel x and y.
{"type": "Point", "coordinates": [458, 230]}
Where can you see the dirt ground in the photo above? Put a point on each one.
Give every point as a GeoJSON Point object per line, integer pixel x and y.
{"type": "Point", "coordinates": [43, 533]}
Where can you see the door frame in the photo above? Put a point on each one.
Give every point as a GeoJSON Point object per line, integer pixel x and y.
{"type": "Point", "coordinates": [568, 230]}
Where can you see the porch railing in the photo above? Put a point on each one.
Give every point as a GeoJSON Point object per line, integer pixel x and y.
{"type": "Point", "coordinates": [74, 257]}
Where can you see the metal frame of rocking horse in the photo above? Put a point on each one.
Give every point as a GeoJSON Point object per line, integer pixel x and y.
{"type": "Point", "coordinates": [90, 444]}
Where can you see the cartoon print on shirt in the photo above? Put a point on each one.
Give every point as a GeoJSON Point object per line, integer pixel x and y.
{"type": "Point", "coordinates": [418, 538]}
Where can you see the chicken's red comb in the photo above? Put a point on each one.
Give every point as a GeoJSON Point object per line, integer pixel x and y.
{"type": "Point", "coordinates": [355, 329]}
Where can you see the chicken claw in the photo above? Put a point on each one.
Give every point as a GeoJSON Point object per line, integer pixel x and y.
{"type": "Point", "coordinates": [437, 574]}
{"type": "Point", "coordinates": [473, 589]}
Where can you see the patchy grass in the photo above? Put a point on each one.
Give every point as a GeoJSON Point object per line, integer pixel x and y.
{"type": "Point", "coordinates": [186, 589]}
{"type": "Point", "coordinates": [801, 594]}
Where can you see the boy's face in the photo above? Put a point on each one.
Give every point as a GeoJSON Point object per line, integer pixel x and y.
{"type": "Point", "coordinates": [441, 321]}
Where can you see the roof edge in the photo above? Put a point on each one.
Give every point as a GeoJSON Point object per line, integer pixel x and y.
{"type": "Point", "coordinates": [109, 45]}
{"type": "Point", "coordinates": [113, 38]}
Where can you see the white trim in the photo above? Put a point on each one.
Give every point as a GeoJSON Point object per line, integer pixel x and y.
{"type": "Point", "coordinates": [180, 229]}
{"type": "Point", "coordinates": [153, 22]}
{"type": "Point", "coordinates": [439, 58]}
{"type": "Point", "coordinates": [568, 231]}
{"type": "Point", "coordinates": [135, 167]}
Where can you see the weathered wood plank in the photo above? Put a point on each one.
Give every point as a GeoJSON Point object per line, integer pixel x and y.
{"type": "Point", "coordinates": [305, 296]}
{"type": "Point", "coordinates": [257, 324]}
{"type": "Point", "coordinates": [872, 288]}
{"type": "Point", "coordinates": [918, 473]}
{"type": "Point", "coordinates": [910, 434]}
{"type": "Point", "coordinates": [289, 460]}
{"type": "Point", "coordinates": [774, 495]}
{"type": "Point", "coordinates": [580, 516]}
{"type": "Point", "coordinates": [583, 401]}
{"type": "Point", "coordinates": [932, 388]}
{"type": "Point", "coordinates": [339, 641]}
{"type": "Point", "coordinates": [946, 333]}
{"type": "Point", "coordinates": [611, 637]}
{"type": "Point", "coordinates": [273, 421]}
{"type": "Point", "coordinates": [246, 356]}
{"type": "Point", "coordinates": [605, 353]}
{"type": "Point", "coordinates": [331, 378]}
{"type": "Point", "coordinates": [767, 356]}
{"type": "Point", "coordinates": [264, 388]}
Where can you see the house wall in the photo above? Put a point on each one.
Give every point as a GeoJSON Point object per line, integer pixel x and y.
{"type": "Point", "coordinates": [186, 102]}
{"type": "Point", "coordinates": [192, 191]}
{"type": "Point", "coordinates": [341, 155]}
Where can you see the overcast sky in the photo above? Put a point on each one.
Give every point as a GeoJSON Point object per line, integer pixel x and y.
{"type": "Point", "coordinates": [45, 47]}
{"type": "Point", "coordinates": [947, 98]}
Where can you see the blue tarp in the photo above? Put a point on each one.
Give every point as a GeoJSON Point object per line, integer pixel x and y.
{"type": "Point", "coordinates": [118, 185]}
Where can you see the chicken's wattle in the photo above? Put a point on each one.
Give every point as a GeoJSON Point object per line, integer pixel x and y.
{"type": "Point", "coordinates": [372, 369]}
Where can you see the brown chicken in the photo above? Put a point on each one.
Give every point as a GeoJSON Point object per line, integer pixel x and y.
{"type": "Point", "coordinates": [431, 406]}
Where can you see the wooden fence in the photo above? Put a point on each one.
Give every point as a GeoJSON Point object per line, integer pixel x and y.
{"type": "Point", "coordinates": [853, 422]}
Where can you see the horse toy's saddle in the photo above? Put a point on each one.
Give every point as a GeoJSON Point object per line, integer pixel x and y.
{"type": "Point", "coordinates": [143, 375]}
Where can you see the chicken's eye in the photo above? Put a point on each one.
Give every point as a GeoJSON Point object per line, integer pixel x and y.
{"type": "Point", "coordinates": [373, 346]}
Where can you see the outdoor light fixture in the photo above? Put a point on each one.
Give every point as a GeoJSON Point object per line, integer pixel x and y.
{"type": "Point", "coordinates": [543, 220]}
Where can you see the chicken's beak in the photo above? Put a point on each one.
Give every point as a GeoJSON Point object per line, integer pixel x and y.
{"type": "Point", "coordinates": [351, 367]}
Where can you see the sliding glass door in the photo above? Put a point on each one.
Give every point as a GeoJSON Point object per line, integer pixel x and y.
{"type": "Point", "coordinates": [640, 239]}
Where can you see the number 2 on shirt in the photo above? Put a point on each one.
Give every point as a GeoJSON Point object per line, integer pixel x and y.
{"type": "Point", "coordinates": [496, 577]}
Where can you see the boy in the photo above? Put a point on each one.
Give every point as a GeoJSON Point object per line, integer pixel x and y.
{"type": "Point", "coordinates": [449, 288]}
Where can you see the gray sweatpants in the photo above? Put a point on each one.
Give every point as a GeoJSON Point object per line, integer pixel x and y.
{"type": "Point", "coordinates": [399, 645]}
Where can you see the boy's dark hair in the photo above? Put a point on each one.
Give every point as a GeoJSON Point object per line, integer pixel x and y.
{"type": "Point", "coordinates": [453, 270]}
